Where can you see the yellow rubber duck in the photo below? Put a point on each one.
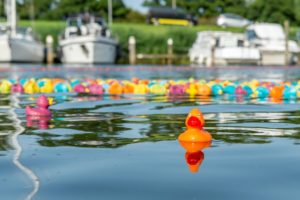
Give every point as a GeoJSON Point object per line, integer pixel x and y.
{"type": "Point", "coordinates": [158, 89]}
{"type": "Point", "coordinates": [141, 89]}
{"type": "Point", "coordinates": [48, 87]}
{"type": "Point", "coordinates": [31, 87]}
{"type": "Point", "coordinates": [5, 87]}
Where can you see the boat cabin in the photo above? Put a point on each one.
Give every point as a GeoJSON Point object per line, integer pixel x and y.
{"type": "Point", "coordinates": [86, 25]}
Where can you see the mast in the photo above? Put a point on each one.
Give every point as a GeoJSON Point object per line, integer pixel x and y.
{"type": "Point", "coordinates": [11, 16]}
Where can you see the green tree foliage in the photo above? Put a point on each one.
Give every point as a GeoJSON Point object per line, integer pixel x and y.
{"type": "Point", "coordinates": [206, 8]}
{"type": "Point", "coordinates": [256, 10]}
{"type": "Point", "coordinates": [273, 11]}
{"type": "Point", "coordinates": [58, 9]}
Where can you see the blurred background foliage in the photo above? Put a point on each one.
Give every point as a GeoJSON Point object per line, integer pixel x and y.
{"type": "Point", "coordinates": [256, 10]}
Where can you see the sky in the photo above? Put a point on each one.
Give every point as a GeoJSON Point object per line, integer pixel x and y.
{"type": "Point", "coordinates": [136, 5]}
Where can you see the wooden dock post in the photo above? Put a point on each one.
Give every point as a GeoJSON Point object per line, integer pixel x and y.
{"type": "Point", "coordinates": [132, 50]}
{"type": "Point", "coordinates": [286, 53]}
{"type": "Point", "coordinates": [170, 51]}
{"type": "Point", "coordinates": [213, 49]}
{"type": "Point", "coordinates": [49, 46]}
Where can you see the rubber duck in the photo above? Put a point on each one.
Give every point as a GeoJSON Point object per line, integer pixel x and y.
{"type": "Point", "coordinates": [158, 89]}
{"type": "Point", "coordinates": [62, 87]}
{"type": "Point", "coordinates": [128, 88]}
{"type": "Point", "coordinates": [261, 92]}
{"type": "Point", "coordinates": [217, 89]}
{"type": "Point", "coordinates": [248, 89]}
{"type": "Point", "coordinates": [115, 88]}
{"type": "Point", "coordinates": [289, 92]}
{"type": "Point", "coordinates": [41, 109]}
{"type": "Point", "coordinates": [5, 86]}
{"type": "Point", "coordinates": [80, 88]}
{"type": "Point", "coordinates": [47, 87]}
{"type": "Point", "coordinates": [177, 90]}
{"type": "Point", "coordinates": [192, 89]}
{"type": "Point", "coordinates": [204, 90]}
{"type": "Point", "coordinates": [239, 90]}
{"type": "Point", "coordinates": [140, 89]}
{"type": "Point", "coordinates": [194, 124]}
{"type": "Point", "coordinates": [95, 89]}
{"type": "Point", "coordinates": [229, 89]}
{"type": "Point", "coordinates": [31, 87]}
{"type": "Point", "coordinates": [17, 88]}
{"type": "Point", "coordinates": [276, 92]}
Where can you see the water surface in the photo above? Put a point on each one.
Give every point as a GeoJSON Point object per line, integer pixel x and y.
{"type": "Point", "coordinates": [125, 147]}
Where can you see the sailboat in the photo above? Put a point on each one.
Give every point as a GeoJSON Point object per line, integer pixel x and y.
{"type": "Point", "coordinates": [18, 44]}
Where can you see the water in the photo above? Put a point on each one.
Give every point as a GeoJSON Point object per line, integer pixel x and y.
{"type": "Point", "coordinates": [125, 147]}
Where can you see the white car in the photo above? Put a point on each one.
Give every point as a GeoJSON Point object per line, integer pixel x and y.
{"type": "Point", "coordinates": [233, 20]}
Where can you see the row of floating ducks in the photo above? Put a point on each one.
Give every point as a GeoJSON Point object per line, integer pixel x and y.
{"type": "Point", "coordinates": [194, 139]}
{"type": "Point", "coordinates": [191, 87]}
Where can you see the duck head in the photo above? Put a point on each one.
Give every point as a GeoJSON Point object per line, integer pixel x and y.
{"type": "Point", "coordinates": [195, 119]}
{"type": "Point", "coordinates": [42, 102]}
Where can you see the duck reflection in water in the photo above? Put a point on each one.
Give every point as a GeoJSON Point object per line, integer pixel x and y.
{"type": "Point", "coordinates": [41, 122]}
{"type": "Point", "coordinates": [194, 139]}
{"type": "Point", "coordinates": [194, 154]}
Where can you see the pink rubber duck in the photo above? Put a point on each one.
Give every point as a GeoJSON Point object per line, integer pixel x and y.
{"type": "Point", "coordinates": [96, 89]}
{"type": "Point", "coordinates": [240, 91]}
{"type": "Point", "coordinates": [41, 109]}
{"type": "Point", "coordinates": [80, 88]}
{"type": "Point", "coordinates": [177, 90]}
{"type": "Point", "coordinates": [17, 88]}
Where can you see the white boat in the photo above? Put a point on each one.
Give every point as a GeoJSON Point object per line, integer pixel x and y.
{"type": "Point", "coordinates": [222, 48]}
{"type": "Point", "coordinates": [87, 40]}
{"type": "Point", "coordinates": [18, 44]}
{"type": "Point", "coordinates": [270, 40]}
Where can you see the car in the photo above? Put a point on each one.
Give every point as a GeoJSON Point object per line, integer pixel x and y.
{"type": "Point", "coordinates": [169, 16]}
{"type": "Point", "coordinates": [232, 20]}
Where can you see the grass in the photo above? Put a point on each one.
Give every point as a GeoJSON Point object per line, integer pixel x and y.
{"type": "Point", "coordinates": [149, 38]}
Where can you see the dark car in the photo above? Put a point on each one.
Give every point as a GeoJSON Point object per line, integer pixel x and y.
{"type": "Point", "coordinates": [170, 16]}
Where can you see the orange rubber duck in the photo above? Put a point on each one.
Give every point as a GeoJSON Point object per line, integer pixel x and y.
{"type": "Point", "coordinates": [195, 133]}
{"type": "Point", "coordinates": [194, 140]}
{"type": "Point", "coordinates": [277, 92]}
{"type": "Point", "coordinates": [115, 89]}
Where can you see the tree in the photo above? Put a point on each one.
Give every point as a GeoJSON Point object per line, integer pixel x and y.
{"type": "Point", "coordinates": [272, 11]}
{"type": "Point", "coordinates": [58, 9]}
{"type": "Point", "coordinates": [205, 8]}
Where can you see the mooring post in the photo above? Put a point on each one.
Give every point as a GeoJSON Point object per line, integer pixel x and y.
{"type": "Point", "coordinates": [170, 51]}
{"type": "Point", "coordinates": [213, 49]}
{"type": "Point", "coordinates": [132, 50]}
{"type": "Point", "coordinates": [286, 30]}
{"type": "Point", "coordinates": [49, 46]}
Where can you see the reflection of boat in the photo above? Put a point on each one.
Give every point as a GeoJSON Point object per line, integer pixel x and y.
{"type": "Point", "coordinates": [86, 39]}
{"type": "Point", "coordinates": [270, 40]}
{"type": "Point", "coordinates": [222, 48]}
{"type": "Point", "coordinates": [18, 44]}
{"type": "Point", "coordinates": [18, 148]}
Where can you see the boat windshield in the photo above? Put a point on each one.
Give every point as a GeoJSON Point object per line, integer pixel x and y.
{"type": "Point", "coordinates": [85, 20]}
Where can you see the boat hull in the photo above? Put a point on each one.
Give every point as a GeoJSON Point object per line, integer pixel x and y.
{"type": "Point", "coordinates": [88, 49]}
{"type": "Point", "coordinates": [20, 50]}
